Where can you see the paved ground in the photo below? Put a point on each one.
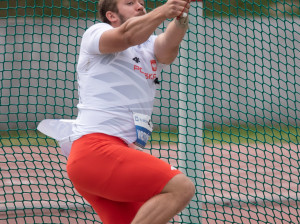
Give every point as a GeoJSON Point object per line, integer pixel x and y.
{"type": "Point", "coordinates": [242, 184]}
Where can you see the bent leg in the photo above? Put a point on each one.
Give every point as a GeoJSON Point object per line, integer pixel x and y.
{"type": "Point", "coordinates": [108, 170]}
{"type": "Point", "coordinates": [112, 212]}
{"type": "Point", "coordinates": [164, 206]}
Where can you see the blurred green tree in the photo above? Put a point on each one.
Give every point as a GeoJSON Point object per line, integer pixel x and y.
{"type": "Point", "coordinates": [88, 8]}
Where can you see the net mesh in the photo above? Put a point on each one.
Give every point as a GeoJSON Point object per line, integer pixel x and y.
{"type": "Point", "coordinates": [226, 113]}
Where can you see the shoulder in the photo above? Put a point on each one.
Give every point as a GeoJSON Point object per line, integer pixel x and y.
{"type": "Point", "coordinates": [98, 27]}
{"type": "Point", "coordinates": [91, 37]}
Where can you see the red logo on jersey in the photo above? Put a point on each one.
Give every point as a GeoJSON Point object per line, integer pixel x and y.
{"type": "Point", "coordinates": [153, 65]}
{"type": "Point", "coordinates": [147, 75]}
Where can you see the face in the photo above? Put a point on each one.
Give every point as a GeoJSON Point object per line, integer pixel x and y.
{"type": "Point", "coordinates": [130, 8]}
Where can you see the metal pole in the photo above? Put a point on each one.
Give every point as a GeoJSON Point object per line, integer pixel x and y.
{"type": "Point", "coordinates": [191, 109]}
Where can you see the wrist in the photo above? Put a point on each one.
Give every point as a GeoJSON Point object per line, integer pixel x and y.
{"type": "Point", "coordinates": [182, 22]}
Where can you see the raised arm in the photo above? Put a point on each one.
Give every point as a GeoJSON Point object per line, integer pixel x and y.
{"type": "Point", "coordinates": [138, 29]}
{"type": "Point", "coordinates": [167, 44]}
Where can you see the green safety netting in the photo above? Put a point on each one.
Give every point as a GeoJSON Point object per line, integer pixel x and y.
{"type": "Point", "coordinates": [226, 112]}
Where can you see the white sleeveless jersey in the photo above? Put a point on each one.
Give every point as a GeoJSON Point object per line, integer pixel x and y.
{"type": "Point", "coordinates": [113, 86]}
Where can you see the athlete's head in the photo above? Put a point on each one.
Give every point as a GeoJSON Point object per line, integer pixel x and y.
{"type": "Point", "coordinates": [118, 11]}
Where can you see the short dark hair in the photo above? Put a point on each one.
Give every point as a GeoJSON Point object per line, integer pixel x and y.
{"type": "Point", "coordinates": [104, 6]}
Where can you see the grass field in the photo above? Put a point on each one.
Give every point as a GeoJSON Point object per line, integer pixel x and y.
{"type": "Point", "coordinates": [215, 135]}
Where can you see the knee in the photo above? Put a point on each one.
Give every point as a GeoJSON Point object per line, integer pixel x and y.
{"type": "Point", "coordinates": [182, 188]}
{"type": "Point", "coordinates": [187, 189]}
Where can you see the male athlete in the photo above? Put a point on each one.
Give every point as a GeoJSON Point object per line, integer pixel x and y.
{"type": "Point", "coordinates": [118, 67]}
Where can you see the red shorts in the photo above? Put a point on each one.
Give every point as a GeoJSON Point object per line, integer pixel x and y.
{"type": "Point", "coordinates": [115, 179]}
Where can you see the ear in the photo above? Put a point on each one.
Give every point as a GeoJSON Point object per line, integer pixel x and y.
{"type": "Point", "coordinates": [112, 17]}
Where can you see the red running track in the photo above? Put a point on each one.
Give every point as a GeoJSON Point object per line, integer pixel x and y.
{"type": "Point", "coordinates": [241, 184]}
